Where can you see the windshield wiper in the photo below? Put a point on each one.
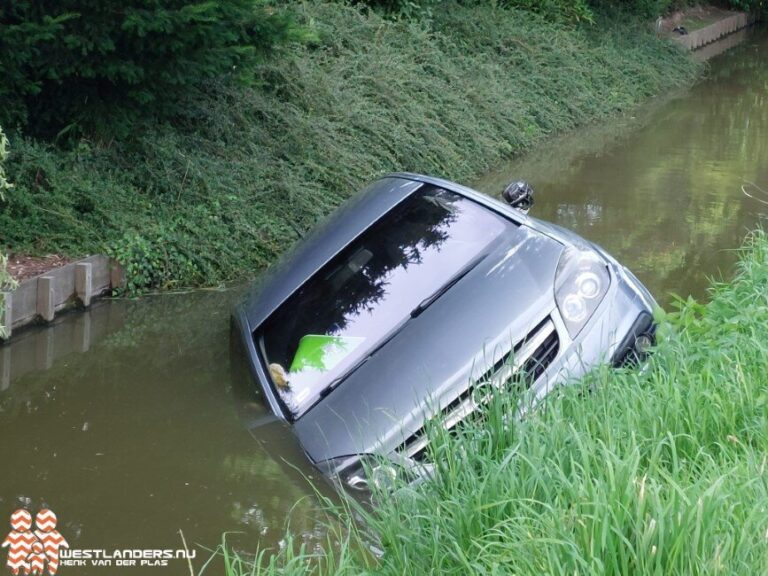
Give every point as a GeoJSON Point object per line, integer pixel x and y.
{"type": "Point", "coordinates": [423, 305]}
{"type": "Point", "coordinates": [335, 383]}
{"type": "Point", "coordinates": [432, 298]}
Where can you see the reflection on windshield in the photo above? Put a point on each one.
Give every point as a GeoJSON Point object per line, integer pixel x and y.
{"type": "Point", "coordinates": [367, 290]}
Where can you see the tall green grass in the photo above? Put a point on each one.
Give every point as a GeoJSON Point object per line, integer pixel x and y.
{"type": "Point", "coordinates": [656, 471]}
{"type": "Point", "coordinates": [244, 172]}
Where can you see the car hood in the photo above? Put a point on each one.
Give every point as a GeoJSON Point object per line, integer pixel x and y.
{"type": "Point", "coordinates": [458, 337]}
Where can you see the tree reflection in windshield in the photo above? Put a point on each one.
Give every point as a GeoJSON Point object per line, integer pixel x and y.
{"type": "Point", "coordinates": [371, 286]}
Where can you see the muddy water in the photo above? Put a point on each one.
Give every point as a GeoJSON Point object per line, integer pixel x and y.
{"type": "Point", "coordinates": [128, 420]}
{"type": "Point", "coordinates": [125, 421]}
{"type": "Point", "coordinates": [662, 190]}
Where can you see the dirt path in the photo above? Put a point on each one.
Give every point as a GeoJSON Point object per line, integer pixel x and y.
{"type": "Point", "coordinates": [23, 267]}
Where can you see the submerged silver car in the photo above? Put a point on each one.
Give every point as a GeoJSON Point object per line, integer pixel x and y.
{"type": "Point", "coordinates": [413, 292]}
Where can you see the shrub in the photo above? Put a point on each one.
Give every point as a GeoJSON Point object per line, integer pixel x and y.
{"type": "Point", "coordinates": [643, 8]}
{"type": "Point", "coordinates": [756, 6]}
{"type": "Point", "coordinates": [557, 10]}
{"type": "Point", "coordinates": [102, 64]}
{"type": "Point", "coordinates": [4, 184]}
{"type": "Point", "coordinates": [568, 10]}
{"type": "Point", "coordinates": [153, 261]}
{"type": "Point", "coordinates": [6, 281]}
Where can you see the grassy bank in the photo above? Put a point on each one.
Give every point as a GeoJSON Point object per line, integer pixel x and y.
{"type": "Point", "coordinates": [245, 171]}
{"type": "Point", "coordinates": [663, 471]}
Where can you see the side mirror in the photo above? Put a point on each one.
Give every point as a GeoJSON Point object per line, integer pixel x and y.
{"type": "Point", "coordinates": [519, 195]}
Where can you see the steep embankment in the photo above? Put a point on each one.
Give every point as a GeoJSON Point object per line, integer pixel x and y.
{"type": "Point", "coordinates": [244, 172]}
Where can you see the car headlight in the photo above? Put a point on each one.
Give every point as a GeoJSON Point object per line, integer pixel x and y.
{"type": "Point", "coordinates": [581, 282]}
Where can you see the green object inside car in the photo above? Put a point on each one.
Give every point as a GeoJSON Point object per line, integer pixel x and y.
{"type": "Point", "coordinates": [322, 353]}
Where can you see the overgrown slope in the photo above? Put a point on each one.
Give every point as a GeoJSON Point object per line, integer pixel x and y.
{"type": "Point", "coordinates": [219, 194]}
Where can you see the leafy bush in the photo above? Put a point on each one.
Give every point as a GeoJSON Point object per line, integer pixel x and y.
{"type": "Point", "coordinates": [643, 8]}
{"type": "Point", "coordinates": [568, 10]}
{"type": "Point", "coordinates": [4, 184]}
{"type": "Point", "coordinates": [152, 262]}
{"type": "Point", "coordinates": [655, 8]}
{"type": "Point", "coordinates": [557, 10]}
{"type": "Point", "coordinates": [755, 6]}
{"type": "Point", "coordinates": [6, 281]}
{"type": "Point", "coordinates": [102, 64]}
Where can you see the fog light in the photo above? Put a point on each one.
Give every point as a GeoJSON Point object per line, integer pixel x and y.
{"type": "Point", "coordinates": [370, 473]}
{"type": "Point", "coordinates": [643, 344]}
{"type": "Point", "coordinates": [384, 477]}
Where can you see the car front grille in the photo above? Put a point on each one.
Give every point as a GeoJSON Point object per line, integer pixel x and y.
{"type": "Point", "coordinates": [529, 359]}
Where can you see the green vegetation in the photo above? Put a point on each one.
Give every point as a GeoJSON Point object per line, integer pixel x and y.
{"type": "Point", "coordinates": [6, 281]}
{"type": "Point", "coordinates": [564, 10]}
{"type": "Point", "coordinates": [643, 8]}
{"type": "Point", "coordinates": [558, 10]}
{"type": "Point", "coordinates": [75, 65]}
{"type": "Point", "coordinates": [755, 6]}
{"type": "Point", "coordinates": [244, 171]}
{"type": "Point", "coordinates": [4, 184]}
{"type": "Point", "coordinates": [655, 471]}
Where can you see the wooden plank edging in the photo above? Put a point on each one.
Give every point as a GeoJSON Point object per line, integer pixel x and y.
{"type": "Point", "coordinates": [76, 284]}
{"type": "Point", "coordinates": [713, 32]}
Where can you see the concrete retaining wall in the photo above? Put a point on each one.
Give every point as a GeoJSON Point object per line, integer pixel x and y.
{"type": "Point", "coordinates": [724, 44]}
{"type": "Point", "coordinates": [715, 31]}
{"type": "Point", "coordinates": [40, 298]}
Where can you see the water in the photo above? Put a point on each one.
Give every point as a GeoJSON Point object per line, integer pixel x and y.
{"type": "Point", "coordinates": [143, 434]}
{"type": "Point", "coordinates": [662, 190]}
{"type": "Point", "coordinates": [128, 421]}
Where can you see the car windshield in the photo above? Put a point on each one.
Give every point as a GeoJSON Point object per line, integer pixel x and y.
{"type": "Point", "coordinates": [356, 300]}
